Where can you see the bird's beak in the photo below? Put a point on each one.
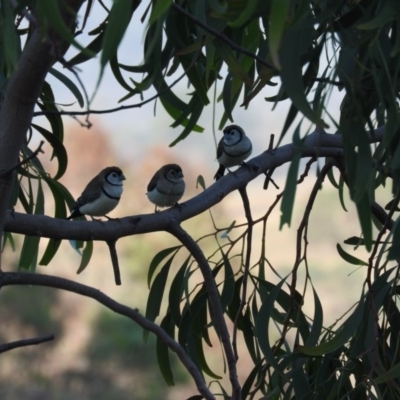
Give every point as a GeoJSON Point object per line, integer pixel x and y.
{"type": "Point", "coordinates": [122, 178]}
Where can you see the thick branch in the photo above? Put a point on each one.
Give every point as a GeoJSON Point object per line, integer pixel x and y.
{"type": "Point", "coordinates": [18, 278]}
{"type": "Point", "coordinates": [23, 90]}
{"type": "Point", "coordinates": [317, 144]}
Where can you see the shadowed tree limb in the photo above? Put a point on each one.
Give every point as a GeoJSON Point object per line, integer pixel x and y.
{"type": "Point", "coordinates": [25, 342]}
{"type": "Point", "coordinates": [20, 278]}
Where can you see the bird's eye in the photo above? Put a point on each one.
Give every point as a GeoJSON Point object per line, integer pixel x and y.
{"type": "Point", "coordinates": [114, 175]}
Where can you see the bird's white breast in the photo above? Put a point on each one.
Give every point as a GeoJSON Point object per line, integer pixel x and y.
{"type": "Point", "coordinates": [166, 194]}
{"type": "Point", "coordinates": [236, 154]}
{"type": "Point", "coordinates": [103, 204]}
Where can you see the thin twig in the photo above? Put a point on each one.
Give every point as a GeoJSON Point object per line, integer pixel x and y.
{"type": "Point", "coordinates": [114, 261]}
{"type": "Point", "coordinates": [243, 300]}
{"type": "Point", "coordinates": [20, 278]}
{"type": "Point", "coordinates": [25, 342]}
{"type": "Point", "coordinates": [214, 300]}
{"type": "Point", "coordinates": [27, 159]}
{"type": "Point", "coordinates": [221, 36]}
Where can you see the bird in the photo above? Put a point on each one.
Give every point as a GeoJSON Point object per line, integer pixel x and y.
{"type": "Point", "coordinates": [166, 187]}
{"type": "Point", "coordinates": [233, 149]}
{"type": "Point", "coordinates": [101, 195]}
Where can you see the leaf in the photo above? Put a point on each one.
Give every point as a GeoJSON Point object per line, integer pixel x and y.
{"type": "Point", "coordinates": [176, 291]}
{"type": "Point", "coordinates": [157, 260]}
{"type": "Point", "coordinates": [201, 359]}
{"type": "Point", "coordinates": [291, 72]}
{"type": "Point", "coordinates": [317, 325]}
{"type": "Point", "coordinates": [228, 289]}
{"type": "Point", "coordinates": [29, 252]}
{"type": "Point", "coordinates": [196, 114]}
{"type": "Point", "coordinates": [49, 11]}
{"type": "Point", "coordinates": [90, 51]}
{"type": "Point", "coordinates": [160, 8]}
{"type": "Point", "coordinates": [69, 84]}
{"type": "Point", "coordinates": [12, 47]}
{"type": "Point", "coordinates": [291, 181]}
{"type": "Point", "coordinates": [277, 20]}
{"type": "Point", "coordinates": [59, 150]}
{"type": "Point", "coordinates": [163, 352]}
{"type": "Point", "coordinates": [200, 181]}
{"type": "Point", "coordinates": [341, 336]}
{"type": "Point", "coordinates": [262, 328]}
{"type": "Point", "coordinates": [156, 293]}
{"type": "Point", "coordinates": [51, 250]}
{"type": "Point", "coordinates": [348, 257]}
{"type": "Point", "coordinates": [118, 21]}
{"type": "Point", "coordinates": [385, 14]}
{"type": "Point", "coordinates": [365, 217]}
{"type": "Point", "coordinates": [394, 250]}
{"type": "Point", "coordinates": [86, 256]}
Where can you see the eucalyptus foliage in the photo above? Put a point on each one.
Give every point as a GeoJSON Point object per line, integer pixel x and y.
{"type": "Point", "coordinates": [305, 50]}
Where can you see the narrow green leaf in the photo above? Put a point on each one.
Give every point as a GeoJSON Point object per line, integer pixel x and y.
{"type": "Point", "coordinates": [318, 319]}
{"type": "Point", "coordinates": [90, 51]}
{"type": "Point", "coordinates": [277, 20]}
{"type": "Point", "coordinates": [50, 251]}
{"type": "Point", "coordinates": [291, 73]}
{"type": "Point", "coordinates": [262, 328]}
{"type": "Point", "coordinates": [159, 9]}
{"type": "Point", "coordinates": [196, 114]}
{"type": "Point", "coordinates": [365, 217]}
{"type": "Point", "coordinates": [157, 291]}
{"type": "Point", "coordinates": [12, 48]}
{"type": "Point", "coordinates": [86, 256]}
{"type": "Point", "coordinates": [118, 21]}
{"type": "Point", "coordinates": [163, 352]}
{"type": "Point", "coordinates": [157, 260]}
{"type": "Point", "coordinates": [59, 150]}
{"type": "Point", "coordinates": [348, 328]}
{"type": "Point", "coordinates": [176, 291]}
{"type": "Point", "coordinates": [349, 258]}
{"type": "Point", "coordinates": [69, 84]}
{"type": "Point", "coordinates": [382, 16]}
{"type": "Point", "coordinates": [291, 181]}
{"type": "Point", "coordinates": [228, 289]}
{"type": "Point", "coordinates": [200, 181]}
{"type": "Point", "coordinates": [201, 359]}
{"type": "Point", "coordinates": [29, 252]}
{"type": "Point", "coordinates": [50, 11]}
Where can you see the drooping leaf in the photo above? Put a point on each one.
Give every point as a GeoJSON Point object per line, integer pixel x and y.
{"type": "Point", "coordinates": [163, 352]}
{"type": "Point", "coordinates": [86, 256]}
{"type": "Point", "coordinates": [157, 260]}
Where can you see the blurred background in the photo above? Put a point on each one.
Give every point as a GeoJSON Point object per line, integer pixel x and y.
{"type": "Point", "coordinates": [97, 354]}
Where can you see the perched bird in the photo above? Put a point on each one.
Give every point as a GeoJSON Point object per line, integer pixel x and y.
{"type": "Point", "coordinates": [166, 186]}
{"type": "Point", "coordinates": [232, 149]}
{"type": "Point", "coordinates": [101, 195]}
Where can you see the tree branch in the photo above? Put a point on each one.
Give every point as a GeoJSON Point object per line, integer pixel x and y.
{"type": "Point", "coordinates": [23, 90]}
{"type": "Point", "coordinates": [316, 144]}
{"type": "Point", "coordinates": [25, 342]}
{"type": "Point", "coordinates": [19, 278]}
{"type": "Point", "coordinates": [214, 301]}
